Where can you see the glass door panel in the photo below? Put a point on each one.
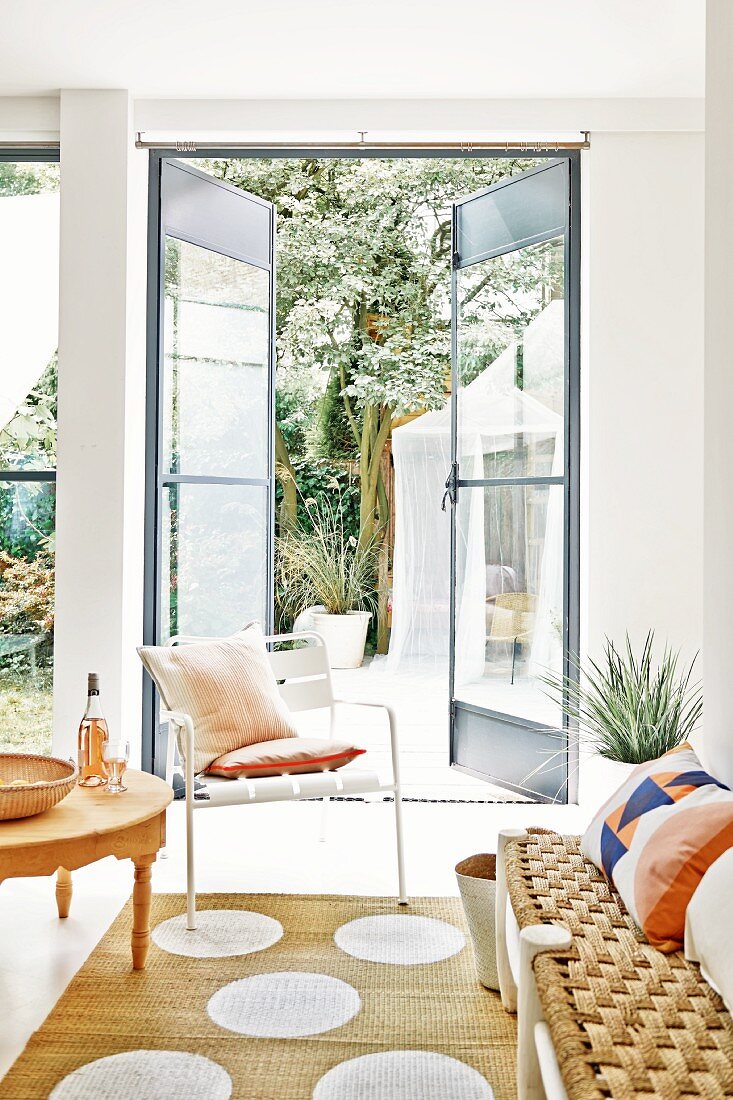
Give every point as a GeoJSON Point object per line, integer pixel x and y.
{"type": "Point", "coordinates": [214, 560]}
{"type": "Point", "coordinates": [211, 470]}
{"type": "Point", "coordinates": [216, 363]}
{"type": "Point", "coordinates": [512, 509]}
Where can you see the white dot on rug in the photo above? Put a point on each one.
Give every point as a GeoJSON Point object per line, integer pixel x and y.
{"type": "Point", "coordinates": [146, 1075]}
{"type": "Point", "coordinates": [402, 940]}
{"type": "Point", "coordinates": [403, 1075]}
{"type": "Point", "coordinates": [220, 932]}
{"type": "Point", "coordinates": [284, 1005]}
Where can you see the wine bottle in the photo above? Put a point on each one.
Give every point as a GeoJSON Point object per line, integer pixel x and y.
{"type": "Point", "coordinates": [93, 733]}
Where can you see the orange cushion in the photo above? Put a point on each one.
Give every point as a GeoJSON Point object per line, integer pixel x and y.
{"type": "Point", "coordinates": [290, 756]}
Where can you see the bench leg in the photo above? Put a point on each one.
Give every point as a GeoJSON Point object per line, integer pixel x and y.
{"type": "Point", "coordinates": [533, 940]}
{"type": "Point", "coordinates": [507, 984]}
{"type": "Point", "coordinates": [63, 891]}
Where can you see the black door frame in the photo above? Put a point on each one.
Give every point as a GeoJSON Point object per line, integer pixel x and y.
{"type": "Point", "coordinates": [156, 478]}
{"type": "Point", "coordinates": [155, 275]}
{"type": "Point", "coordinates": [558, 783]}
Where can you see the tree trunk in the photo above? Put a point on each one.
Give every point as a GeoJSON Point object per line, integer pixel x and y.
{"type": "Point", "coordinates": [285, 472]}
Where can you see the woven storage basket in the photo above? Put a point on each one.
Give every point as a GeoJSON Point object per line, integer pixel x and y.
{"type": "Point", "coordinates": [49, 780]}
{"type": "Point", "coordinates": [477, 884]}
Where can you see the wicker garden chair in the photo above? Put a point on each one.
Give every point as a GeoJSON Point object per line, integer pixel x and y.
{"type": "Point", "coordinates": [513, 621]}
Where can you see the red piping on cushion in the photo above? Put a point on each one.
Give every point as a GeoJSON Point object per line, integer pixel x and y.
{"type": "Point", "coordinates": [293, 763]}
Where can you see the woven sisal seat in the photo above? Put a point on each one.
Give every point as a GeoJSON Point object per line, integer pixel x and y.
{"type": "Point", "coordinates": [625, 1019]}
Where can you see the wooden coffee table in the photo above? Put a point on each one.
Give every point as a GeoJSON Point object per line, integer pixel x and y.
{"type": "Point", "coordinates": [88, 825]}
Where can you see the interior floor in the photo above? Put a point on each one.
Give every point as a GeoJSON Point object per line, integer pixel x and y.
{"type": "Point", "coordinates": [269, 848]}
{"type": "Point", "coordinates": [420, 701]}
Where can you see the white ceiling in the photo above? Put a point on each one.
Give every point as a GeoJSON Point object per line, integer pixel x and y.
{"type": "Point", "coordinates": [347, 49]}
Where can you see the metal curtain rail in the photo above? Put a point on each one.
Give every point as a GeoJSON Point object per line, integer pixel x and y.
{"type": "Point", "coordinates": [523, 145]}
{"type": "Point", "coordinates": [30, 146]}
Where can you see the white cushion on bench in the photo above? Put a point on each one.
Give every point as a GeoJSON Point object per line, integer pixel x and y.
{"type": "Point", "coordinates": [708, 927]}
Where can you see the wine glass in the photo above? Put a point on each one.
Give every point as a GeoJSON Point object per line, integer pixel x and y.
{"type": "Point", "coordinates": [115, 755]}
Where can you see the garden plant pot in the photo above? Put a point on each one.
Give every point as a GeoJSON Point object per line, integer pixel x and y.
{"type": "Point", "coordinates": [477, 884]}
{"type": "Point", "coordinates": [344, 635]}
{"type": "Point", "coordinates": [600, 778]}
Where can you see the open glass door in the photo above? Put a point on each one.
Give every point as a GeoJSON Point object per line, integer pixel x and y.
{"type": "Point", "coordinates": [513, 485]}
{"type": "Point", "coordinates": [210, 494]}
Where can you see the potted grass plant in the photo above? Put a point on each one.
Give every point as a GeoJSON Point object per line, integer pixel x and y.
{"type": "Point", "coordinates": [320, 566]}
{"type": "Point", "coordinates": [627, 708]}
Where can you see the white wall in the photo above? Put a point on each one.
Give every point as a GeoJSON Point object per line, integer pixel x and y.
{"type": "Point", "coordinates": [718, 614]}
{"type": "Point", "coordinates": [642, 397]}
{"type": "Point", "coordinates": [460, 116]}
{"type": "Point", "coordinates": [99, 519]}
{"type": "Point", "coordinates": [643, 388]}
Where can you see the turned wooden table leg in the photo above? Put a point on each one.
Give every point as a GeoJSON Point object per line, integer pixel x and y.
{"type": "Point", "coordinates": [141, 895]}
{"type": "Point", "coordinates": [63, 891]}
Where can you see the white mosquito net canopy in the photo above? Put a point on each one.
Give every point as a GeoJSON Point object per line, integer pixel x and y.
{"type": "Point", "coordinates": [503, 431]}
{"type": "Point", "coordinates": [29, 293]}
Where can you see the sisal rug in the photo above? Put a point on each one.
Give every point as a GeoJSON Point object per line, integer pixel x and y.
{"type": "Point", "coordinates": [278, 997]}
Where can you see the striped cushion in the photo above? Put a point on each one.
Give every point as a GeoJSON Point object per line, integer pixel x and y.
{"type": "Point", "coordinates": [229, 689]}
{"type": "Point", "coordinates": [656, 837]}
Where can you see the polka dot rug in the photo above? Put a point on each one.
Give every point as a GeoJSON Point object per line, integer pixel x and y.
{"type": "Point", "coordinates": [356, 999]}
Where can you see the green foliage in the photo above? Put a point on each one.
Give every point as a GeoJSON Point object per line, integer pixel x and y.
{"type": "Point", "coordinates": [332, 436]}
{"type": "Point", "coordinates": [27, 518]}
{"type": "Point", "coordinates": [628, 708]}
{"type": "Point", "coordinates": [26, 594]}
{"type": "Point", "coordinates": [27, 178]}
{"type": "Point", "coordinates": [323, 481]}
{"type": "Point", "coordinates": [321, 563]}
{"type": "Point", "coordinates": [28, 440]}
{"type": "Point", "coordinates": [364, 269]}
{"type": "Point", "coordinates": [296, 411]}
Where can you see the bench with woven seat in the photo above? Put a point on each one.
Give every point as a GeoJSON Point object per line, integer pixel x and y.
{"type": "Point", "coordinates": [601, 1012]}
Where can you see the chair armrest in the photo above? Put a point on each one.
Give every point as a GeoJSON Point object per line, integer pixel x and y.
{"type": "Point", "coordinates": [391, 715]}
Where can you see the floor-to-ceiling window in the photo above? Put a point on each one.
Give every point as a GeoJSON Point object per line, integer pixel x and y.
{"type": "Point", "coordinates": [29, 289]}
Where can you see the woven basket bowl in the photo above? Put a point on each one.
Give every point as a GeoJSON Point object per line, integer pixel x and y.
{"type": "Point", "coordinates": [49, 780]}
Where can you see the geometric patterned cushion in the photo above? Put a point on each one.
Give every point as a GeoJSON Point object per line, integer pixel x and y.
{"type": "Point", "coordinates": [657, 835]}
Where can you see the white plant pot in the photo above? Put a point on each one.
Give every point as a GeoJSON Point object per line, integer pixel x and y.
{"type": "Point", "coordinates": [600, 778]}
{"type": "Point", "coordinates": [344, 635]}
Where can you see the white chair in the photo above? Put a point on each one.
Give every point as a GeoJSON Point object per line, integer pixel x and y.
{"type": "Point", "coordinates": [304, 680]}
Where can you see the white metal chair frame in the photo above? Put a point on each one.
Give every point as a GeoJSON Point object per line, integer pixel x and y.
{"type": "Point", "coordinates": [304, 681]}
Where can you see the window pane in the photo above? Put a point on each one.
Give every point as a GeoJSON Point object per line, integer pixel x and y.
{"type": "Point", "coordinates": [29, 292]}
{"type": "Point", "coordinates": [514, 216]}
{"type": "Point", "coordinates": [509, 597]}
{"type": "Point", "coordinates": [214, 560]}
{"type": "Point", "coordinates": [27, 516]}
{"type": "Point", "coordinates": [216, 348]}
{"type": "Point", "coordinates": [511, 364]}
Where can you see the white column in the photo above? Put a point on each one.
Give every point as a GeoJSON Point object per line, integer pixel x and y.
{"type": "Point", "coordinates": [718, 587]}
{"type": "Point", "coordinates": [642, 390]}
{"type": "Point", "coordinates": [99, 521]}
{"type": "Point", "coordinates": [642, 394]}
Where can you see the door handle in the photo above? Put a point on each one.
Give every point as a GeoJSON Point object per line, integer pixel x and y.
{"type": "Point", "coordinates": [451, 487]}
